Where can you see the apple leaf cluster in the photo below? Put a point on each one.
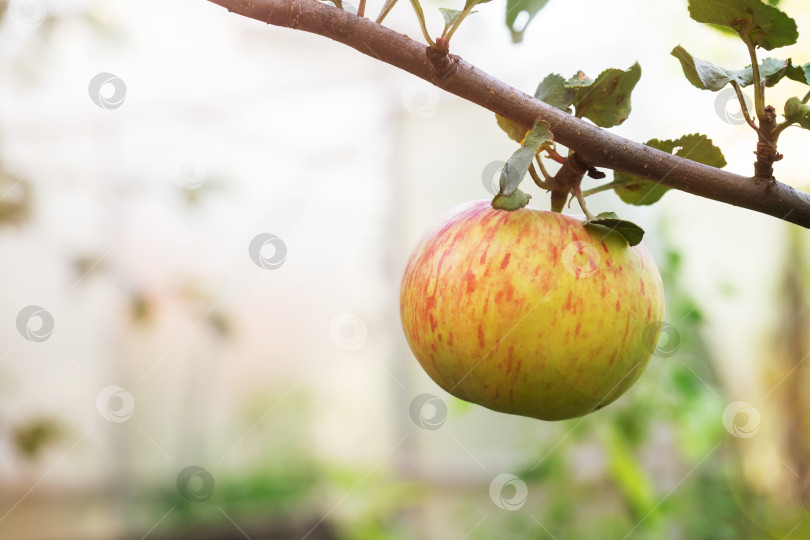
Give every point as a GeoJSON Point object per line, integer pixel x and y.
{"type": "Point", "coordinates": [605, 101]}
{"type": "Point", "coordinates": [759, 25]}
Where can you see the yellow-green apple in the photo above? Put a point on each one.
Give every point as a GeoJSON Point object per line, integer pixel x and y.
{"type": "Point", "coordinates": [530, 312]}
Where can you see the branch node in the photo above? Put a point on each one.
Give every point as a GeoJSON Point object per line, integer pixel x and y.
{"type": "Point", "coordinates": [442, 61]}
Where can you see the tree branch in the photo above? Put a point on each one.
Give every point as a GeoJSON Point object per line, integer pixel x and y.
{"type": "Point", "coordinates": [596, 147]}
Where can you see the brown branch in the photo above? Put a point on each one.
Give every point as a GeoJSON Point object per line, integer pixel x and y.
{"type": "Point", "coordinates": [596, 147]}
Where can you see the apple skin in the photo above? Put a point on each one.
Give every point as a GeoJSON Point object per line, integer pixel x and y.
{"type": "Point", "coordinates": [530, 312]}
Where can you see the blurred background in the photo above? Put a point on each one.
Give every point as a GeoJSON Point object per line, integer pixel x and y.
{"type": "Point", "coordinates": [203, 223]}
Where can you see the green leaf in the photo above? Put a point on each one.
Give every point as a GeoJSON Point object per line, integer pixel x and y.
{"type": "Point", "coordinates": [515, 201]}
{"type": "Point", "coordinates": [553, 90]}
{"type": "Point", "coordinates": [757, 23]}
{"type": "Point", "coordinates": [771, 70]}
{"type": "Point", "coordinates": [515, 131]}
{"type": "Point", "coordinates": [517, 166]}
{"type": "Point", "coordinates": [515, 8]}
{"type": "Point", "coordinates": [638, 191]}
{"type": "Point", "coordinates": [798, 112]}
{"type": "Point", "coordinates": [799, 73]}
{"type": "Point", "coordinates": [702, 74]}
{"type": "Point", "coordinates": [450, 17]}
{"type": "Point", "coordinates": [707, 76]}
{"type": "Point", "coordinates": [580, 79]}
{"type": "Point", "coordinates": [606, 102]}
{"type": "Point", "coordinates": [631, 232]}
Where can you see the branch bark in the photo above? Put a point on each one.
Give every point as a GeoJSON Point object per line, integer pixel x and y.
{"type": "Point", "coordinates": [594, 145]}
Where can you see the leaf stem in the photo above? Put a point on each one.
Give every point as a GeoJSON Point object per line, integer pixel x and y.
{"type": "Point", "coordinates": [537, 180]}
{"type": "Point", "coordinates": [806, 97]}
{"type": "Point", "coordinates": [743, 106]}
{"type": "Point", "coordinates": [780, 128]}
{"type": "Point", "coordinates": [389, 4]}
{"type": "Point", "coordinates": [542, 167]}
{"type": "Point", "coordinates": [421, 16]}
{"type": "Point", "coordinates": [361, 8]}
{"type": "Point", "coordinates": [759, 92]}
{"type": "Point", "coordinates": [553, 154]}
{"type": "Point", "coordinates": [447, 35]}
{"type": "Point", "coordinates": [603, 187]}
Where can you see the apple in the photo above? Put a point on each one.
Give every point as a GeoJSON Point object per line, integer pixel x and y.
{"type": "Point", "coordinates": [530, 312]}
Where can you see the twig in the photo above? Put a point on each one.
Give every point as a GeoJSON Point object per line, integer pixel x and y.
{"type": "Point", "coordinates": [598, 147]}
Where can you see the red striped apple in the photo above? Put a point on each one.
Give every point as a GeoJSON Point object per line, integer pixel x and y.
{"type": "Point", "coordinates": [530, 312]}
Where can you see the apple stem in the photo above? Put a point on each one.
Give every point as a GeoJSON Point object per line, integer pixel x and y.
{"type": "Point", "coordinates": [567, 180]}
{"type": "Point", "coordinates": [581, 201]}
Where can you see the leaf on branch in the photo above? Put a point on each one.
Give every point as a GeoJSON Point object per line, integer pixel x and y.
{"type": "Point", "coordinates": [580, 79]}
{"type": "Point", "coordinates": [638, 191]}
{"type": "Point", "coordinates": [553, 90]}
{"type": "Point", "coordinates": [517, 167]}
{"type": "Point", "coordinates": [515, 131]}
{"type": "Point", "coordinates": [451, 16]}
{"type": "Point", "coordinates": [707, 76]}
{"type": "Point", "coordinates": [515, 8]}
{"type": "Point", "coordinates": [703, 74]}
{"type": "Point", "coordinates": [799, 73]}
{"type": "Point", "coordinates": [610, 221]}
{"type": "Point", "coordinates": [755, 21]}
{"type": "Point", "coordinates": [606, 101]}
{"type": "Point", "coordinates": [515, 201]}
{"type": "Point", "coordinates": [797, 112]}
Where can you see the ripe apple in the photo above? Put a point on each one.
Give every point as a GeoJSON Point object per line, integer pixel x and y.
{"type": "Point", "coordinates": [530, 312]}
